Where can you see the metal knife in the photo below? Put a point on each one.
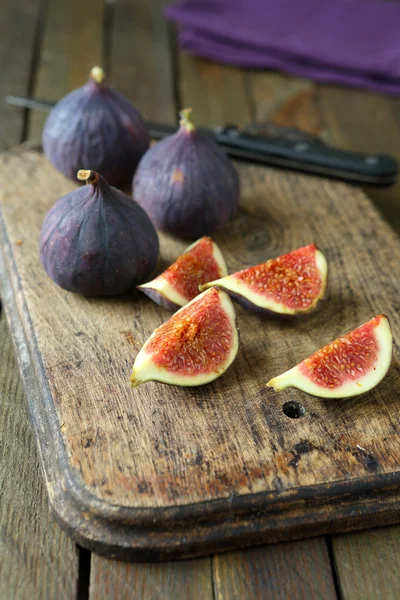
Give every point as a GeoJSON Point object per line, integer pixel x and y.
{"type": "Point", "coordinates": [283, 147]}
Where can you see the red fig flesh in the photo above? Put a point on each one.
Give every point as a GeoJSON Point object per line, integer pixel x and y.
{"type": "Point", "coordinates": [179, 284]}
{"type": "Point", "coordinates": [196, 345]}
{"type": "Point", "coordinates": [95, 126]}
{"type": "Point", "coordinates": [186, 183]}
{"type": "Point", "coordinates": [291, 284]}
{"type": "Point", "coordinates": [350, 365]}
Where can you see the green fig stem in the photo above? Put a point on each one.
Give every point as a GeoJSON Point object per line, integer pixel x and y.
{"type": "Point", "coordinates": [186, 120]}
{"type": "Point", "coordinates": [97, 74]}
{"type": "Point", "coordinates": [88, 176]}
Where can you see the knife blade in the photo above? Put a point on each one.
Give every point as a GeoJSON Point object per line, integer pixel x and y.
{"type": "Point", "coordinates": [277, 146]}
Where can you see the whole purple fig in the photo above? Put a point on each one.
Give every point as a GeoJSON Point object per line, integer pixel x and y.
{"type": "Point", "coordinates": [97, 241]}
{"type": "Point", "coordinates": [94, 125]}
{"type": "Point", "coordinates": [186, 183]}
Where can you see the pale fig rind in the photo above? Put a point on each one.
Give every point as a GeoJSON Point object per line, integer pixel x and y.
{"type": "Point", "coordinates": [161, 290]}
{"type": "Point", "coordinates": [145, 367]}
{"type": "Point", "coordinates": [297, 376]}
{"type": "Point", "coordinates": [158, 297]}
{"type": "Point", "coordinates": [266, 305]}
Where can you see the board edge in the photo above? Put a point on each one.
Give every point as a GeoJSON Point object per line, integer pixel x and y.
{"type": "Point", "coordinates": [130, 533]}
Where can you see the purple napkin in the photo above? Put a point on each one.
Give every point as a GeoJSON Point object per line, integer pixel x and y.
{"type": "Point", "coordinates": [353, 42]}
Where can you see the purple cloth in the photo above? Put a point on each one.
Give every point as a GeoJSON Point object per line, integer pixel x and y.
{"type": "Point", "coordinates": [353, 42]}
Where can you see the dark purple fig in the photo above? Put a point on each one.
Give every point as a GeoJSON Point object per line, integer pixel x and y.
{"type": "Point", "coordinates": [186, 183]}
{"type": "Point", "coordinates": [96, 126]}
{"type": "Point", "coordinates": [97, 241]}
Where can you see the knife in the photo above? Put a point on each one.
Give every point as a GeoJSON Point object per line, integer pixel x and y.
{"type": "Point", "coordinates": [283, 147]}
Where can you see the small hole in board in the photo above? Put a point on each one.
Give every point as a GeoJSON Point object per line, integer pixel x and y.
{"type": "Point", "coordinates": [293, 410]}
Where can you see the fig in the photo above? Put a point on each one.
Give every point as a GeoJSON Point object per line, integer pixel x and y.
{"type": "Point", "coordinates": [186, 183]}
{"type": "Point", "coordinates": [196, 345]}
{"type": "Point", "coordinates": [289, 285]}
{"type": "Point", "coordinates": [175, 287]}
{"type": "Point", "coordinates": [350, 365]}
{"type": "Point", "coordinates": [97, 241]}
{"type": "Point", "coordinates": [95, 126]}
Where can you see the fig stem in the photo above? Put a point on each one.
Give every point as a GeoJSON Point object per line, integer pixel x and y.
{"type": "Point", "coordinates": [88, 176]}
{"type": "Point", "coordinates": [97, 74]}
{"type": "Point", "coordinates": [186, 120]}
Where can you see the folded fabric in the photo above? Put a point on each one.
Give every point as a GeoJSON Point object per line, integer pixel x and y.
{"type": "Point", "coordinates": [352, 42]}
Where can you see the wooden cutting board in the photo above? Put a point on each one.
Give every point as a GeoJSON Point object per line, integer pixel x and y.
{"type": "Point", "coordinates": [161, 472]}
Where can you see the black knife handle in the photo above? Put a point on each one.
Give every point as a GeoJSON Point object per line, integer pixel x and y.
{"type": "Point", "coordinates": [271, 145]}
{"type": "Point", "coordinates": [310, 155]}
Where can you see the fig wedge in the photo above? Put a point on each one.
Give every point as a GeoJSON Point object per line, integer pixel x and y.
{"type": "Point", "coordinates": [350, 365]}
{"type": "Point", "coordinates": [289, 285]}
{"type": "Point", "coordinates": [196, 345]}
{"type": "Point", "coordinates": [202, 261]}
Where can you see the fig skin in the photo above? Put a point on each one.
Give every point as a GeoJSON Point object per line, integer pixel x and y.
{"type": "Point", "coordinates": [158, 298]}
{"type": "Point", "coordinates": [187, 184]}
{"type": "Point", "coordinates": [97, 241]}
{"type": "Point", "coordinates": [94, 125]}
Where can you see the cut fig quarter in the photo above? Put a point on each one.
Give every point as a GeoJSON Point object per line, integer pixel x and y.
{"type": "Point", "coordinates": [289, 285]}
{"type": "Point", "coordinates": [179, 284]}
{"type": "Point", "coordinates": [196, 345]}
{"type": "Point", "coordinates": [350, 365]}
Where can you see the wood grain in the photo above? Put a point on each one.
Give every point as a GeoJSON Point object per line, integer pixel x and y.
{"type": "Point", "coordinates": [18, 27]}
{"type": "Point", "coordinates": [163, 451]}
{"type": "Point", "coordinates": [285, 101]}
{"type": "Point", "coordinates": [140, 63]}
{"type": "Point", "coordinates": [296, 570]}
{"type": "Point", "coordinates": [216, 93]}
{"type": "Point", "coordinates": [70, 48]}
{"type": "Point", "coordinates": [368, 564]}
{"type": "Point", "coordinates": [364, 122]}
{"type": "Point", "coordinates": [37, 559]}
{"type": "Point", "coordinates": [258, 96]}
{"type": "Point", "coordinates": [114, 580]}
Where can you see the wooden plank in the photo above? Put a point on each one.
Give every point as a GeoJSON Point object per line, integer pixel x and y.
{"type": "Point", "coordinates": [285, 101]}
{"type": "Point", "coordinates": [216, 93]}
{"type": "Point", "coordinates": [18, 27]}
{"type": "Point", "coordinates": [368, 564]}
{"type": "Point", "coordinates": [173, 456]}
{"type": "Point", "coordinates": [292, 570]}
{"type": "Point", "coordinates": [289, 102]}
{"type": "Point", "coordinates": [114, 580]}
{"type": "Point", "coordinates": [364, 122]}
{"type": "Point", "coordinates": [72, 45]}
{"type": "Point", "coordinates": [349, 118]}
{"type": "Point", "coordinates": [37, 559]}
{"type": "Point", "coordinates": [140, 65]}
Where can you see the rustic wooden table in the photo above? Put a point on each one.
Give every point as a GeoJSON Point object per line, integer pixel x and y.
{"type": "Point", "coordinates": [46, 49]}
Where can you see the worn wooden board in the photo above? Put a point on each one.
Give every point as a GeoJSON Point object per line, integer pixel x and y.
{"type": "Point", "coordinates": [160, 471]}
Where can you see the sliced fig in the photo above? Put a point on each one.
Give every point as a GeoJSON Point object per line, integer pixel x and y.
{"type": "Point", "coordinates": [350, 365]}
{"type": "Point", "coordinates": [196, 345]}
{"type": "Point", "coordinates": [291, 284]}
{"type": "Point", "coordinates": [179, 284]}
